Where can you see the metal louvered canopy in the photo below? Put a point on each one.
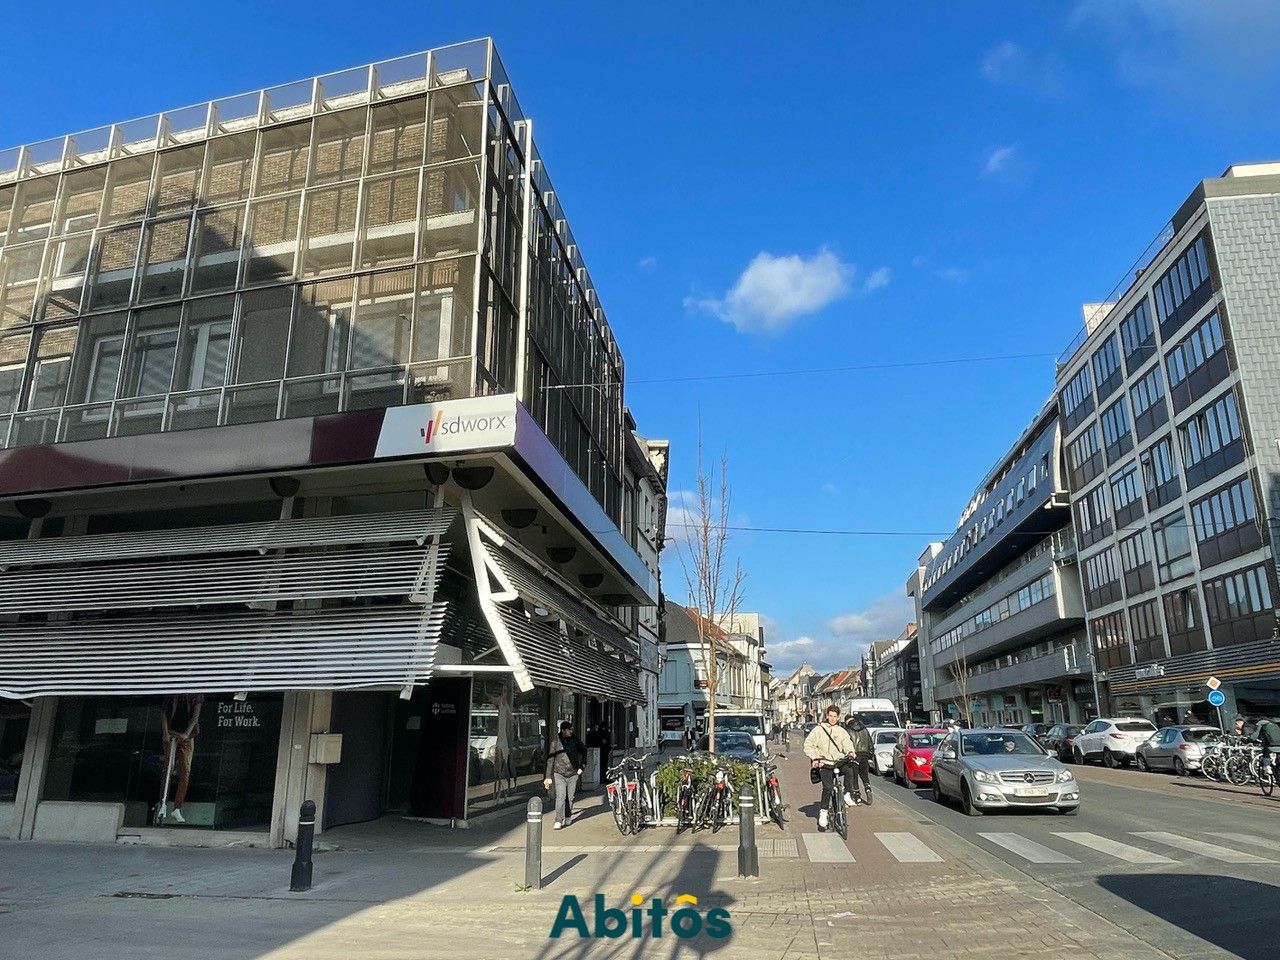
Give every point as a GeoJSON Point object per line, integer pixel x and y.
{"type": "Point", "coordinates": [554, 660]}
{"type": "Point", "coordinates": [406, 526]}
{"type": "Point", "coordinates": [346, 649]}
{"type": "Point", "coordinates": [545, 593]}
{"type": "Point", "coordinates": [269, 578]}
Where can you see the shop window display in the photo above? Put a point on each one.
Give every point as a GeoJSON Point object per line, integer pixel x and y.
{"type": "Point", "coordinates": [180, 761]}
{"type": "Point", "coordinates": [508, 743]}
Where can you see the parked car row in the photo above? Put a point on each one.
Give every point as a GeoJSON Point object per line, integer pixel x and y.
{"type": "Point", "coordinates": [1121, 741]}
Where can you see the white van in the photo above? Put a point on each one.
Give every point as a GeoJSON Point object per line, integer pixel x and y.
{"type": "Point", "coordinates": [875, 714]}
{"type": "Point", "coordinates": [743, 721]}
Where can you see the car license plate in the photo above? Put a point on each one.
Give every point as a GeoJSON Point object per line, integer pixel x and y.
{"type": "Point", "coordinates": [1031, 792]}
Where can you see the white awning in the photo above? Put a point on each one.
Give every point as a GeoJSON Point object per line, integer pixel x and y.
{"type": "Point", "coordinates": [232, 608]}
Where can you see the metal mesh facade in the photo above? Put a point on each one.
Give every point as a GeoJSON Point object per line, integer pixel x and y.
{"type": "Point", "coordinates": [380, 236]}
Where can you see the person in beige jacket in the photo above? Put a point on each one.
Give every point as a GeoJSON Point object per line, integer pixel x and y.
{"type": "Point", "coordinates": [828, 746]}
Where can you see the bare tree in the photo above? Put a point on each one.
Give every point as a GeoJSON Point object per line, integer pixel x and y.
{"type": "Point", "coordinates": [715, 587]}
{"type": "Point", "coordinates": [960, 674]}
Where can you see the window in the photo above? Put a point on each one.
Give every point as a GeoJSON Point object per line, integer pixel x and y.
{"type": "Point", "coordinates": [457, 115]}
{"type": "Point", "coordinates": [81, 200]}
{"type": "Point", "coordinates": [96, 370]}
{"type": "Point", "coordinates": [1115, 430]}
{"type": "Point", "coordinates": [33, 209]}
{"type": "Point", "coordinates": [1110, 641]}
{"type": "Point", "coordinates": [51, 371]}
{"type": "Point", "coordinates": [1106, 367]}
{"type": "Point", "coordinates": [1137, 335]}
{"type": "Point", "coordinates": [390, 215]}
{"type": "Point", "coordinates": [396, 138]}
{"type": "Point", "coordinates": [13, 357]}
{"type": "Point", "coordinates": [1135, 560]}
{"type": "Point", "coordinates": [1077, 399]}
{"type": "Point", "coordinates": [1126, 491]}
{"type": "Point", "coordinates": [128, 190]}
{"type": "Point", "coordinates": [1172, 540]}
{"type": "Point", "coordinates": [1160, 473]}
{"type": "Point", "coordinates": [1239, 607]}
{"type": "Point", "coordinates": [1189, 355]}
{"type": "Point", "coordinates": [273, 239]}
{"type": "Point", "coordinates": [1093, 515]}
{"type": "Point", "coordinates": [1101, 578]}
{"type": "Point", "coordinates": [219, 235]}
{"type": "Point", "coordinates": [1187, 276]}
{"type": "Point", "coordinates": [152, 348]}
{"type": "Point", "coordinates": [264, 330]}
{"type": "Point", "coordinates": [164, 259]}
{"type": "Point", "coordinates": [113, 271]}
{"type": "Point", "coordinates": [230, 169]}
{"type": "Point", "coordinates": [178, 176]}
{"type": "Point", "coordinates": [1147, 392]}
{"type": "Point", "coordinates": [1083, 458]}
{"type": "Point", "coordinates": [205, 344]}
{"type": "Point", "coordinates": [1225, 510]}
{"type": "Point", "coordinates": [1183, 622]}
{"type": "Point", "coordinates": [337, 152]}
{"type": "Point", "coordinates": [1210, 440]}
{"type": "Point", "coordinates": [282, 159]}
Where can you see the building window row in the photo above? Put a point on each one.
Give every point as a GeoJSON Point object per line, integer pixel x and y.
{"type": "Point", "coordinates": [1126, 491]}
{"type": "Point", "coordinates": [1191, 353]}
{"type": "Point", "coordinates": [1137, 334]}
{"type": "Point", "coordinates": [1160, 473]}
{"type": "Point", "coordinates": [1093, 515]}
{"type": "Point", "coordinates": [1107, 372]}
{"type": "Point", "coordinates": [1076, 399]}
{"type": "Point", "coordinates": [1038, 590]}
{"type": "Point", "coordinates": [1084, 457]}
{"type": "Point", "coordinates": [1172, 539]}
{"type": "Point", "coordinates": [1211, 440]}
{"type": "Point", "coordinates": [1110, 641]}
{"type": "Point", "coordinates": [1102, 578]}
{"type": "Point", "coordinates": [1226, 522]}
{"type": "Point", "coordinates": [1115, 430]}
{"type": "Point", "coordinates": [1239, 607]}
{"type": "Point", "coordinates": [1135, 560]}
{"type": "Point", "coordinates": [1189, 273]}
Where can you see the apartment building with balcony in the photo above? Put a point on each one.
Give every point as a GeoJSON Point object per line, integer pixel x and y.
{"type": "Point", "coordinates": [1000, 615]}
{"type": "Point", "coordinates": [313, 454]}
{"type": "Point", "coordinates": [1170, 413]}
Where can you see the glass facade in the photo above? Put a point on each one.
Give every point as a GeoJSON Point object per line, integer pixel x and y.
{"type": "Point", "coordinates": [381, 236]}
{"type": "Point", "coordinates": [15, 719]}
{"type": "Point", "coordinates": [183, 761]}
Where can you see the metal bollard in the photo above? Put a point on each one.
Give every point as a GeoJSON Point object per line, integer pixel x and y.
{"type": "Point", "coordinates": [533, 845]}
{"type": "Point", "coordinates": [300, 879]}
{"type": "Point", "coordinates": [748, 855]}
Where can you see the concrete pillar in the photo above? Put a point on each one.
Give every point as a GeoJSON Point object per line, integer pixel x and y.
{"type": "Point", "coordinates": [297, 778]}
{"type": "Point", "coordinates": [35, 761]}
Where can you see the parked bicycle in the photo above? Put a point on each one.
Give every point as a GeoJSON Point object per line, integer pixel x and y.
{"type": "Point", "coordinates": [686, 798]}
{"type": "Point", "coordinates": [715, 805]}
{"type": "Point", "coordinates": [630, 796]}
{"type": "Point", "coordinates": [771, 796]}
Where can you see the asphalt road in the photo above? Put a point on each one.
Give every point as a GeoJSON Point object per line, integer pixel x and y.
{"type": "Point", "coordinates": [1184, 868]}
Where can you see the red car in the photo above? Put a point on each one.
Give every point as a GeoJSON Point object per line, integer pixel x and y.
{"type": "Point", "coordinates": [913, 755]}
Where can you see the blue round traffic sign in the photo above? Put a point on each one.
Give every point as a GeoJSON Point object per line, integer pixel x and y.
{"type": "Point", "coordinates": [1217, 698]}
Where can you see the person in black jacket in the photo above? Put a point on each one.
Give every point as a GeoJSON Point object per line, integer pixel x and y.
{"type": "Point", "coordinates": [564, 766]}
{"type": "Point", "coordinates": [1267, 734]}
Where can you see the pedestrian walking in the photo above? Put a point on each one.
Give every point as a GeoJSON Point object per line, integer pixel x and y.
{"type": "Point", "coordinates": [829, 746]}
{"type": "Point", "coordinates": [564, 766]}
{"type": "Point", "coordinates": [863, 750]}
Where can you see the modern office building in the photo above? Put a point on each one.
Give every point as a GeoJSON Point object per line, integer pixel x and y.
{"type": "Point", "coordinates": [317, 477]}
{"type": "Point", "coordinates": [999, 607]}
{"type": "Point", "coordinates": [1170, 413]}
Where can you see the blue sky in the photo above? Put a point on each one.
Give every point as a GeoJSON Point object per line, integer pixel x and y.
{"type": "Point", "coordinates": [760, 187]}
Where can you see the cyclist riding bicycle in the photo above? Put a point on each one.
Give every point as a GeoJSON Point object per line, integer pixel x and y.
{"type": "Point", "coordinates": [829, 746]}
{"type": "Point", "coordinates": [1267, 734]}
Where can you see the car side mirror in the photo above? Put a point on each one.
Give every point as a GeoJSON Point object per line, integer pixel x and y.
{"type": "Point", "coordinates": [946, 754]}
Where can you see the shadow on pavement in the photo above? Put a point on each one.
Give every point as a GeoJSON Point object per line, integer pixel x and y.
{"type": "Point", "coordinates": [1193, 902]}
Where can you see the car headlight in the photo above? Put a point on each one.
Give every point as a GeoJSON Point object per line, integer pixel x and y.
{"type": "Point", "coordinates": [919, 761]}
{"type": "Point", "coordinates": [1066, 775]}
{"type": "Point", "coordinates": [983, 777]}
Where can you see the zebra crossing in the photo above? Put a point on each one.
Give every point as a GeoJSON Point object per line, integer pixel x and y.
{"type": "Point", "coordinates": [1138, 848]}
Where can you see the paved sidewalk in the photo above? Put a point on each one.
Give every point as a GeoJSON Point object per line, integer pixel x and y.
{"type": "Point", "coordinates": [459, 898]}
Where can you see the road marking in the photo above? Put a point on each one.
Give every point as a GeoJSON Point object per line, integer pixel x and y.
{"type": "Point", "coordinates": [1246, 838]}
{"type": "Point", "coordinates": [908, 848]}
{"type": "Point", "coordinates": [1121, 851]}
{"type": "Point", "coordinates": [1027, 849]}
{"type": "Point", "coordinates": [826, 848]}
{"type": "Point", "coordinates": [1210, 850]}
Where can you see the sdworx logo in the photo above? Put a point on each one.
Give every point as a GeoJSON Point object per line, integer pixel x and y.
{"type": "Point", "coordinates": [438, 426]}
{"type": "Point", "coordinates": [685, 922]}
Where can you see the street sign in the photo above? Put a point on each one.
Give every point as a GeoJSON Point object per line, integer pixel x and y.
{"type": "Point", "coordinates": [1213, 683]}
{"type": "Point", "coordinates": [1217, 698]}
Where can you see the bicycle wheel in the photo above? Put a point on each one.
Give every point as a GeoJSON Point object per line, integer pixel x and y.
{"type": "Point", "coordinates": [702, 810]}
{"type": "Point", "coordinates": [619, 811]}
{"type": "Point", "coordinates": [1238, 770]}
{"type": "Point", "coordinates": [1267, 780]}
{"type": "Point", "coordinates": [838, 818]}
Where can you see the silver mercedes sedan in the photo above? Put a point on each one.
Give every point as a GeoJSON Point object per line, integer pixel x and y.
{"type": "Point", "coordinates": [1001, 769]}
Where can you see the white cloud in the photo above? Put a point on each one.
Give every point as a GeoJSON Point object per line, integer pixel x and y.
{"type": "Point", "coordinates": [647, 263]}
{"type": "Point", "coordinates": [877, 278]}
{"type": "Point", "coordinates": [1008, 64]}
{"type": "Point", "coordinates": [1189, 48]}
{"type": "Point", "coordinates": [883, 617]}
{"type": "Point", "coordinates": [830, 489]}
{"type": "Point", "coordinates": [956, 275]}
{"type": "Point", "coordinates": [999, 160]}
{"type": "Point", "coordinates": [773, 292]}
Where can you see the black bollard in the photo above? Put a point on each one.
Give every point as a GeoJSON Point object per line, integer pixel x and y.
{"type": "Point", "coordinates": [300, 879]}
{"type": "Point", "coordinates": [748, 855]}
{"type": "Point", "coordinates": [533, 845]}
